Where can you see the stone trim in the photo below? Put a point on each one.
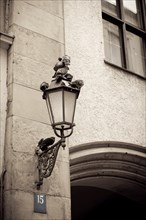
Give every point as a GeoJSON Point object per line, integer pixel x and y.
{"type": "Point", "coordinates": [5, 40]}
{"type": "Point", "coordinates": [101, 144]}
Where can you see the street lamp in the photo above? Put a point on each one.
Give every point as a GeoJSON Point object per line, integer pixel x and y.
{"type": "Point", "coordinates": [60, 96]}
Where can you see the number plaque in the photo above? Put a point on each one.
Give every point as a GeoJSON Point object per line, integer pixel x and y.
{"type": "Point", "coordinates": [39, 203]}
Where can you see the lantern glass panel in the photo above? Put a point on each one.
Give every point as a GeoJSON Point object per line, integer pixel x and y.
{"type": "Point", "coordinates": [69, 106]}
{"type": "Point", "coordinates": [49, 110]}
{"type": "Point", "coordinates": [56, 104]}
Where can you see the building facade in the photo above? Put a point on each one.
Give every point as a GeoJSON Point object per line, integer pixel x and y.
{"type": "Point", "coordinates": [104, 162]}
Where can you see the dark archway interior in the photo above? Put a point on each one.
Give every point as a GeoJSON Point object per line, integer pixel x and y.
{"type": "Point", "coordinates": [92, 203]}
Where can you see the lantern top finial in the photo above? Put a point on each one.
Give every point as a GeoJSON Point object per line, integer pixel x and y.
{"type": "Point", "coordinates": [61, 69]}
{"type": "Point", "coordinates": [62, 77]}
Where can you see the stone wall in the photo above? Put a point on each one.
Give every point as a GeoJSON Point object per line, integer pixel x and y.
{"type": "Point", "coordinates": [39, 40]}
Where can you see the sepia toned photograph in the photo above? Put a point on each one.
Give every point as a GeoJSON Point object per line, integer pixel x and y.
{"type": "Point", "coordinates": [72, 109]}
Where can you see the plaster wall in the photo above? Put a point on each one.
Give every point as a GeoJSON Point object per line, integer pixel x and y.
{"type": "Point", "coordinates": [111, 105]}
{"type": "Point", "coordinates": [39, 40]}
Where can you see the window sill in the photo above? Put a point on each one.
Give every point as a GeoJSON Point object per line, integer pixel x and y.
{"type": "Point", "coordinates": [125, 70]}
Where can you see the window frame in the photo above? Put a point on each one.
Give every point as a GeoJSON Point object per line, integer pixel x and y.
{"type": "Point", "coordinates": [124, 26]}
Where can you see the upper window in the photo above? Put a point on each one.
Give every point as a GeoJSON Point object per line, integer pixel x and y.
{"type": "Point", "coordinates": [124, 25]}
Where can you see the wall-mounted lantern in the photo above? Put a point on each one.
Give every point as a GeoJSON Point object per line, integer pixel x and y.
{"type": "Point", "coordinates": [60, 96]}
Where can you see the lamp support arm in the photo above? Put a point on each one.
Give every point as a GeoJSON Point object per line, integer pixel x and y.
{"type": "Point", "coordinates": [47, 159]}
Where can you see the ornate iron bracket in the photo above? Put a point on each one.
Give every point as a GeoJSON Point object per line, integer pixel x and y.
{"type": "Point", "coordinates": [47, 157]}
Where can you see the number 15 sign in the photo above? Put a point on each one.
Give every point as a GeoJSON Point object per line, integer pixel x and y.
{"type": "Point", "coordinates": [39, 203]}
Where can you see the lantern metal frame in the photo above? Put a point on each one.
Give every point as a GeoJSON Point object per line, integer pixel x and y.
{"type": "Point", "coordinates": [54, 125]}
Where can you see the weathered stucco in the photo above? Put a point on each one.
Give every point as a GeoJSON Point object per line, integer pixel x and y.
{"type": "Point", "coordinates": [111, 105]}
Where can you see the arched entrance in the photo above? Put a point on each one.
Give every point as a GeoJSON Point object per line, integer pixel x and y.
{"type": "Point", "coordinates": [108, 178]}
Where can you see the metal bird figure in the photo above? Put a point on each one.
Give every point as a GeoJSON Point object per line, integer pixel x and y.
{"type": "Point", "coordinates": [44, 86]}
{"type": "Point", "coordinates": [59, 64]}
{"type": "Point", "coordinates": [43, 144]}
{"type": "Point", "coordinates": [77, 84]}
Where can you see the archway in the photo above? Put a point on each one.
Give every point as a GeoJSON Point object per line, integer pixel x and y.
{"type": "Point", "coordinates": [107, 177]}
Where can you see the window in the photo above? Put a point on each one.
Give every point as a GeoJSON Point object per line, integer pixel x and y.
{"type": "Point", "coordinates": [124, 28]}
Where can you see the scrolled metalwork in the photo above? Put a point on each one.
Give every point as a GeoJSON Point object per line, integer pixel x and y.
{"type": "Point", "coordinates": [47, 157]}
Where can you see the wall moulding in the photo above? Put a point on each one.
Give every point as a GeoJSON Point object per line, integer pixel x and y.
{"type": "Point", "coordinates": [5, 41]}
